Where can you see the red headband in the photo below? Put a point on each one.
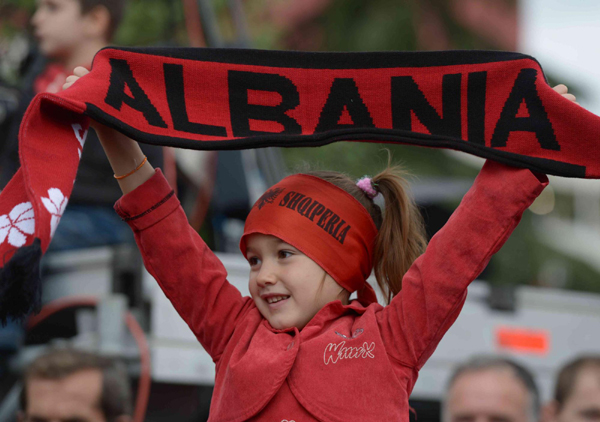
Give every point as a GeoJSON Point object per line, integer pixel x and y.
{"type": "Point", "coordinates": [325, 223]}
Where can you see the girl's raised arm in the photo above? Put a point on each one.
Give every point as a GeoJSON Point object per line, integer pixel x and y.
{"type": "Point", "coordinates": [190, 275]}
{"type": "Point", "coordinates": [435, 287]}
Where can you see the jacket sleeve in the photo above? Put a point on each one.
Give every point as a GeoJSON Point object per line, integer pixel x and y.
{"type": "Point", "coordinates": [190, 275]}
{"type": "Point", "coordinates": [435, 287]}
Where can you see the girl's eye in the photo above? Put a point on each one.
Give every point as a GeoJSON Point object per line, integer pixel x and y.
{"type": "Point", "coordinates": [253, 261]}
{"type": "Point", "coordinates": [284, 254]}
{"type": "Point", "coordinates": [51, 6]}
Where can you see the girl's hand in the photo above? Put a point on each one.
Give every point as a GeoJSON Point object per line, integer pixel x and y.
{"type": "Point", "coordinates": [564, 91]}
{"type": "Point", "coordinates": [78, 72]}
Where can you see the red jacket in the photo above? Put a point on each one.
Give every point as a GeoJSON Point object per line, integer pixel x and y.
{"type": "Point", "coordinates": [349, 362]}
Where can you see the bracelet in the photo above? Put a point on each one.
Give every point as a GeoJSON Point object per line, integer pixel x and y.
{"type": "Point", "coordinates": [132, 171]}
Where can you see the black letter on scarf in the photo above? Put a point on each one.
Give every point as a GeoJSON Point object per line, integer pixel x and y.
{"type": "Point", "coordinates": [537, 122]}
{"type": "Point", "coordinates": [476, 87]}
{"type": "Point", "coordinates": [176, 100]}
{"type": "Point", "coordinates": [407, 97]}
{"type": "Point", "coordinates": [344, 93]}
{"type": "Point", "coordinates": [119, 76]}
{"type": "Point", "coordinates": [241, 112]}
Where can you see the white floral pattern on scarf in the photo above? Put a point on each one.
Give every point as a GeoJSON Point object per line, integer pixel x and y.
{"type": "Point", "coordinates": [55, 204]}
{"type": "Point", "coordinates": [81, 138]}
{"type": "Point", "coordinates": [19, 223]}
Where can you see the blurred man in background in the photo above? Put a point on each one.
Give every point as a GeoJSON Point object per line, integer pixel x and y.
{"type": "Point", "coordinates": [491, 389]}
{"type": "Point", "coordinates": [577, 392]}
{"type": "Point", "coordinates": [69, 385]}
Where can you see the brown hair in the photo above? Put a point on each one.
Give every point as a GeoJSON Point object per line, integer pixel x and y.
{"type": "Point", "coordinates": [567, 377]}
{"type": "Point", "coordinates": [115, 399]}
{"type": "Point", "coordinates": [115, 10]}
{"type": "Point", "coordinates": [401, 237]}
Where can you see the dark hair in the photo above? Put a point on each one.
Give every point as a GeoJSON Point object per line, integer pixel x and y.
{"type": "Point", "coordinates": [115, 8]}
{"type": "Point", "coordinates": [483, 363]}
{"type": "Point", "coordinates": [567, 377]}
{"type": "Point", "coordinates": [401, 237]}
{"type": "Point", "coordinates": [115, 399]}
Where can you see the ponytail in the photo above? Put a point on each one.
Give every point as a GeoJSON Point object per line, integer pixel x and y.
{"type": "Point", "coordinates": [401, 237]}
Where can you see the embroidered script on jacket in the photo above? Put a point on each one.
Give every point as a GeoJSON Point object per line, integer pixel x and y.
{"type": "Point", "coordinates": [335, 352]}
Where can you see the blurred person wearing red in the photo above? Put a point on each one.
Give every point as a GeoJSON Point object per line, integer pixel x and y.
{"type": "Point", "coordinates": [577, 392]}
{"type": "Point", "coordinates": [69, 33]}
{"type": "Point", "coordinates": [70, 385]}
{"type": "Point", "coordinates": [491, 389]}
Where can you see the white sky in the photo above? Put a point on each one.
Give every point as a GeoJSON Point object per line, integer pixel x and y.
{"type": "Point", "coordinates": [565, 38]}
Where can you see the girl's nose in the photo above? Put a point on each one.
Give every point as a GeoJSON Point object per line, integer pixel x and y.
{"type": "Point", "coordinates": [266, 275]}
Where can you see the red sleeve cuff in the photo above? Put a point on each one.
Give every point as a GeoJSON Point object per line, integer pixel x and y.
{"type": "Point", "coordinates": [509, 182]}
{"type": "Point", "coordinates": [148, 204]}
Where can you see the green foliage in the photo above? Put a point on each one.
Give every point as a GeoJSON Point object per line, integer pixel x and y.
{"type": "Point", "coordinates": [357, 25]}
{"type": "Point", "coordinates": [24, 4]}
{"type": "Point", "coordinates": [152, 22]}
{"type": "Point", "coordinates": [7, 29]}
{"type": "Point", "coordinates": [359, 158]}
{"type": "Point", "coordinates": [519, 259]}
{"type": "Point", "coordinates": [582, 276]}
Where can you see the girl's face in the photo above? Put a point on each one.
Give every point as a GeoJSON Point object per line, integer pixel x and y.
{"type": "Point", "coordinates": [288, 287]}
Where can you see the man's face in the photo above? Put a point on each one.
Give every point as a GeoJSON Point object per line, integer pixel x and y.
{"type": "Point", "coordinates": [490, 395]}
{"type": "Point", "coordinates": [75, 398]}
{"type": "Point", "coordinates": [583, 404]}
{"type": "Point", "coordinates": [59, 27]}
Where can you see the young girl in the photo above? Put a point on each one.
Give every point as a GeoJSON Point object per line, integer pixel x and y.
{"type": "Point", "coordinates": [299, 349]}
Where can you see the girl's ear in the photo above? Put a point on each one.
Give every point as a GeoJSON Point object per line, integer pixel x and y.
{"type": "Point", "coordinates": [98, 22]}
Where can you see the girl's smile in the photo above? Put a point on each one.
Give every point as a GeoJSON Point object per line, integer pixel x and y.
{"type": "Point", "coordinates": [287, 286]}
{"type": "Point", "coordinates": [275, 300]}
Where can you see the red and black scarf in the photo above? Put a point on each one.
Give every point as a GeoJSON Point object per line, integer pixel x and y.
{"type": "Point", "coordinates": [495, 105]}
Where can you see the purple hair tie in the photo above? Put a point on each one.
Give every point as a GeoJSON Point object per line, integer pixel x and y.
{"type": "Point", "coordinates": [366, 185]}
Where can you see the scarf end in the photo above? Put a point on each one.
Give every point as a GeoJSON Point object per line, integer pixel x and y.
{"type": "Point", "coordinates": [20, 283]}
